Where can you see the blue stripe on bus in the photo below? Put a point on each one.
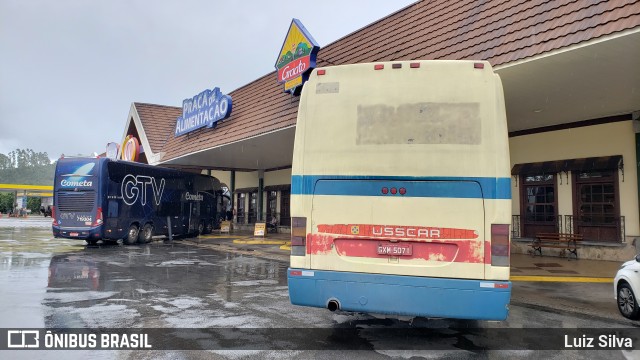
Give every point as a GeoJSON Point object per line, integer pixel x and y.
{"type": "Point", "coordinates": [442, 187]}
{"type": "Point", "coordinates": [401, 295]}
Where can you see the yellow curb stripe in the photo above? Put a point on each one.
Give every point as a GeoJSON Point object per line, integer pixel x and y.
{"type": "Point", "coordinates": [562, 279]}
{"type": "Point", "coordinates": [286, 246]}
{"type": "Point", "coordinates": [222, 237]}
{"type": "Point", "coordinates": [259, 242]}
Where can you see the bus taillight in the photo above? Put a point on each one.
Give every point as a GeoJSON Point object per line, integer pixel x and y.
{"type": "Point", "coordinates": [53, 216]}
{"type": "Point", "coordinates": [98, 220]}
{"type": "Point", "coordinates": [500, 248]}
{"type": "Point", "coordinates": [298, 236]}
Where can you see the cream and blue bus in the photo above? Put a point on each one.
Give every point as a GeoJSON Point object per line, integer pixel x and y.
{"type": "Point", "coordinates": [401, 195]}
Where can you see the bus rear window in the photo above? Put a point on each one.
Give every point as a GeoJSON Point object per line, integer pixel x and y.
{"type": "Point", "coordinates": [419, 123]}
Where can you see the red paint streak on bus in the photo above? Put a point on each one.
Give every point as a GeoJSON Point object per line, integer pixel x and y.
{"type": "Point", "coordinates": [319, 244]}
{"type": "Point", "coordinates": [461, 251]}
{"type": "Point", "coordinates": [487, 252]}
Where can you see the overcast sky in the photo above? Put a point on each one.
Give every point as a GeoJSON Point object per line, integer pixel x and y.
{"type": "Point", "coordinates": [69, 70]}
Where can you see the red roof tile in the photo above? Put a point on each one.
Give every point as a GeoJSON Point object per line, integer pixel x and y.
{"type": "Point", "coordinates": [158, 122]}
{"type": "Point", "coordinates": [500, 31]}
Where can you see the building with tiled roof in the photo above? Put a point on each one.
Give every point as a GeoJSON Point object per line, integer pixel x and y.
{"type": "Point", "coordinates": [572, 91]}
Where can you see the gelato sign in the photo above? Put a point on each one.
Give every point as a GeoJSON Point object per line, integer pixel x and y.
{"type": "Point", "coordinates": [204, 109]}
{"type": "Point", "coordinates": [297, 57]}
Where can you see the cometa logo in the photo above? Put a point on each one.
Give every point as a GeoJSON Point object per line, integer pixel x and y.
{"type": "Point", "coordinates": [83, 183]}
{"type": "Point", "coordinates": [194, 197]}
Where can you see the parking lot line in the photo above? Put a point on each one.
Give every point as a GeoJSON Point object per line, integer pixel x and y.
{"type": "Point", "coordinates": [581, 279]}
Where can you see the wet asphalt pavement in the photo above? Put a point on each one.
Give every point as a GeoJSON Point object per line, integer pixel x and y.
{"type": "Point", "coordinates": [60, 283]}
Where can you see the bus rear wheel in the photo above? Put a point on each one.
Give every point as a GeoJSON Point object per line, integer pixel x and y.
{"type": "Point", "coordinates": [146, 234]}
{"type": "Point", "coordinates": [132, 235]}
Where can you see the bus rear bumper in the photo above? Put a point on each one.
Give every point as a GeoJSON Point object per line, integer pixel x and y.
{"type": "Point", "coordinates": [78, 233]}
{"type": "Point", "coordinates": [401, 295]}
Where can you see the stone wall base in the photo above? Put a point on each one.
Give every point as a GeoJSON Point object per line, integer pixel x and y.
{"type": "Point", "coordinates": [591, 251]}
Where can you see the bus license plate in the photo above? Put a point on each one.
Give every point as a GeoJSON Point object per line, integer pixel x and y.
{"type": "Point", "coordinates": [394, 249]}
{"type": "Point", "coordinates": [73, 234]}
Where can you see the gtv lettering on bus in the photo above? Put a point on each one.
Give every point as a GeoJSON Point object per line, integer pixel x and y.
{"type": "Point", "coordinates": [406, 232]}
{"type": "Point", "coordinates": [135, 187]}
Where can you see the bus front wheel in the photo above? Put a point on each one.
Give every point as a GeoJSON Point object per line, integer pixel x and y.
{"type": "Point", "coordinates": [146, 234]}
{"type": "Point", "coordinates": [132, 235]}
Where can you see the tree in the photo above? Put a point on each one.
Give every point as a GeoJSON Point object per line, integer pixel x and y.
{"type": "Point", "coordinates": [5, 162]}
{"type": "Point", "coordinates": [6, 202]}
{"type": "Point", "coordinates": [26, 167]}
{"type": "Point", "coordinates": [33, 204]}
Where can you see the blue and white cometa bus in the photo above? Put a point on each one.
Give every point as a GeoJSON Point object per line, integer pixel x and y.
{"type": "Point", "coordinates": [100, 198]}
{"type": "Point", "coordinates": [401, 197]}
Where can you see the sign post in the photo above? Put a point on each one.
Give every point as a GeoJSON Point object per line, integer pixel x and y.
{"type": "Point", "coordinates": [260, 229]}
{"type": "Point", "coordinates": [225, 227]}
{"type": "Point", "coordinates": [297, 58]}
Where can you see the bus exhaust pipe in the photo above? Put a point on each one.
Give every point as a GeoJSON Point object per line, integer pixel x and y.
{"type": "Point", "coordinates": [333, 305]}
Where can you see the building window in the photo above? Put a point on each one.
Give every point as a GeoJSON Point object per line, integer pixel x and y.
{"type": "Point", "coordinates": [253, 207]}
{"type": "Point", "coordinates": [240, 208]}
{"type": "Point", "coordinates": [285, 202]}
{"type": "Point", "coordinates": [272, 207]}
{"type": "Point", "coordinates": [596, 205]}
{"type": "Point", "coordinates": [538, 204]}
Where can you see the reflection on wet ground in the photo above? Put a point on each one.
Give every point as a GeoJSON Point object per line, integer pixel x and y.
{"type": "Point", "coordinates": [162, 284]}
{"type": "Point", "coordinates": [155, 285]}
{"type": "Point", "coordinates": [60, 283]}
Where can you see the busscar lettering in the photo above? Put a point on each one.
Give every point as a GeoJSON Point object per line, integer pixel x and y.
{"type": "Point", "coordinates": [405, 232]}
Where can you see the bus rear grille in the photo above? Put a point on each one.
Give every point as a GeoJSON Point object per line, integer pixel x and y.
{"type": "Point", "coordinates": [77, 201]}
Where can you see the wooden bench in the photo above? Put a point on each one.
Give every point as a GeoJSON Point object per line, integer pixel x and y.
{"type": "Point", "coordinates": [568, 242]}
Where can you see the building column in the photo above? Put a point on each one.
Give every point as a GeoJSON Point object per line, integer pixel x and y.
{"type": "Point", "coordinates": [635, 116]}
{"type": "Point", "coordinates": [232, 187]}
{"type": "Point", "coordinates": [260, 193]}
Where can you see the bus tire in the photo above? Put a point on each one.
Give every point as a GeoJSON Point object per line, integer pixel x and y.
{"type": "Point", "coordinates": [132, 235]}
{"type": "Point", "coordinates": [146, 234]}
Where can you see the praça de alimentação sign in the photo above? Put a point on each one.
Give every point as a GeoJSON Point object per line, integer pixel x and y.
{"type": "Point", "coordinates": [204, 109]}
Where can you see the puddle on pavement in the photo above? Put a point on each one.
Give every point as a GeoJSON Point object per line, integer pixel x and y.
{"type": "Point", "coordinates": [65, 283]}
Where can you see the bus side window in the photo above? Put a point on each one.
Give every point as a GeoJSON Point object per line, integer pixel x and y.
{"type": "Point", "coordinates": [112, 210]}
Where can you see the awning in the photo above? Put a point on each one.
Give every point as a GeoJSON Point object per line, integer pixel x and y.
{"type": "Point", "coordinates": [247, 190]}
{"type": "Point", "coordinates": [585, 164]}
{"type": "Point", "coordinates": [286, 187]}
